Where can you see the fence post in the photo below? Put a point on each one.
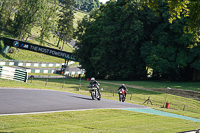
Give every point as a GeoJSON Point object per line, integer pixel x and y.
{"type": "Point", "coordinates": [80, 83]}
{"type": "Point", "coordinates": [113, 93]}
{"type": "Point", "coordinates": [131, 96]}
{"type": "Point", "coordinates": [63, 84]}
{"type": "Point", "coordinates": [46, 82]}
{"type": "Point", "coordinates": [184, 108]}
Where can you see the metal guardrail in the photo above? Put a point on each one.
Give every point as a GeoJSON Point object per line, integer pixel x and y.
{"type": "Point", "coordinates": [34, 66]}
{"type": "Point", "coordinates": [29, 63]}
{"type": "Point", "coordinates": [49, 77]}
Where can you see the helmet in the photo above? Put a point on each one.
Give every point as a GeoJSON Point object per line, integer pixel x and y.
{"type": "Point", "coordinates": [123, 85]}
{"type": "Point", "coordinates": [92, 78]}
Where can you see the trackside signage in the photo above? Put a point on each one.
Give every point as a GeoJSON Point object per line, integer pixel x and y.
{"type": "Point", "coordinates": [38, 48]}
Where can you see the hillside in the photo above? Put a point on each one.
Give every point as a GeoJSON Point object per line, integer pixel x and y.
{"type": "Point", "coordinates": [51, 42]}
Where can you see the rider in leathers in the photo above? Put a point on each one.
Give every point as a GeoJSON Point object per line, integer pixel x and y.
{"type": "Point", "coordinates": [94, 82]}
{"type": "Point", "coordinates": [124, 87]}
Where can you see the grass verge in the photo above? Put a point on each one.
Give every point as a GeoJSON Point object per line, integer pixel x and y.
{"type": "Point", "coordinates": [108, 120]}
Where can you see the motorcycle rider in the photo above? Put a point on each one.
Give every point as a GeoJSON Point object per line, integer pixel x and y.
{"type": "Point", "coordinates": [94, 82]}
{"type": "Point", "coordinates": [123, 87]}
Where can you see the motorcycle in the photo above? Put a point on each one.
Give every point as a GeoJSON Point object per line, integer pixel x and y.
{"type": "Point", "coordinates": [122, 95]}
{"type": "Point", "coordinates": [95, 94]}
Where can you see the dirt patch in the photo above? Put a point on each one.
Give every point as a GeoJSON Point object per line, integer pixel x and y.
{"type": "Point", "coordinates": [179, 92]}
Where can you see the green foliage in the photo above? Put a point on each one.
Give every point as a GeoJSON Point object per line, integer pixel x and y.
{"type": "Point", "coordinates": [21, 17]}
{"type": "Point", "coordinates": [12, 50]}
{"type": "Point", "coordinates": [7, 11]}
{"type": "Point", "coordinates": [1, 44]}
{"type": "Point", "coordinates": [48, 19]}
{"type": "Point", "coordinates": [87, 5]}
{"type": "Point", "coordinates": [110, 41]}
{"type": "Point", "coordinates": [26, 18]}
{"type": "Point", "coordinates": [177, 9]}
{"type": "Point", "coordinates": [168, 52]}
{"type": "Point", "coordinates": [65, 24]}
{"type": "Point", "coordinates": [119, 41]}
{"type": "Point", "coordinates": [113, 35]}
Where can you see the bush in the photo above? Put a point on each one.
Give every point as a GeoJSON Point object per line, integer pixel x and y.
{"type": "Point", "coordinates": [1, 44]}
{"type": "Point", "coordinates": [12, 50]}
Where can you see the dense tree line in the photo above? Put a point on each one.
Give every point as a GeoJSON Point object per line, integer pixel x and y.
{"type": "Point", "coordinates": [178, 8]}
{"type": "Point", "coordinates": [121, 41]}
{"type": "Point", "coordinates": [20, 16]}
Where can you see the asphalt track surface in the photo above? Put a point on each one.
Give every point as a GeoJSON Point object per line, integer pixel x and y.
{"type": "Point", "coordinates": [23, 101]}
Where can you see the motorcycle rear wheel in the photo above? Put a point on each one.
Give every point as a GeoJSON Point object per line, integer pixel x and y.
{"type": "Point", "coordinates": [92, 95]}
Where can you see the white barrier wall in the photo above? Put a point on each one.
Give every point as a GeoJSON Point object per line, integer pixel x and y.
{"type": "Point", "coordinates": [13, 74]}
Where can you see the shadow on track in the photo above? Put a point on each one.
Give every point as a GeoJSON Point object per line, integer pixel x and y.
{"type": "Point", "coordinates": [82, 98]}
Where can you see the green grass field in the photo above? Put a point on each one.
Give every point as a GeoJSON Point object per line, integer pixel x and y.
{"type": "Point", "coordinates": [108, 120]}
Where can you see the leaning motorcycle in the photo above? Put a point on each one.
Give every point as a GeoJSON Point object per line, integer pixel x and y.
{"type": "Point", "coordinates": [122, 95]}
{"type": "Point", "coordinates": [95, 94]}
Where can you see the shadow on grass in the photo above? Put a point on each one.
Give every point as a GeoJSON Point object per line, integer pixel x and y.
{"type": "Point", "coordinates": [45, 42]}
{"type": "Point", "coordinates": [6, 132]}
{"type": "Point", "coordinates": [6, 56]}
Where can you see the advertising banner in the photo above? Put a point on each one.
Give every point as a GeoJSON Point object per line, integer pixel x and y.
{"type": "Point", "coordinates": [38, 48]}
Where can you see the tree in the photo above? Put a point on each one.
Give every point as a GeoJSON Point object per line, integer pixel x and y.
{"type": "Point", "coordinates": [110, 41]}
{"type": "Point", "coordinates": [7, 10]}
{"type": "Point", "coordinates": [48, 19]}
{"type": "Point", "coordinates": [65, 23]}
{"type": "Point", "coordinates": [170, 51]}
{"type": "Point", "coordinates": [188, 8]}
{"type": "Point", "coordinates": [86, 4]}
{"type": "Point", "coordinates": [26, 18]}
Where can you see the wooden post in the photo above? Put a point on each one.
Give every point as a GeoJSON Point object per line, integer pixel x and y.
{"type": "Point", "coordinates": [63, 84]}
{"type": "Point", "coordinates": [80, 83]}
{"type": "Point", "coordinates": [46, 82]}
{"type": "Point", "coordinates": [184, 108]}
{"type": "Point", "coordinates": [131, 96]}
{"type": "Point", "coordinates": [31, 79]}
{"type": "Point", "coordinates": [113, 93]}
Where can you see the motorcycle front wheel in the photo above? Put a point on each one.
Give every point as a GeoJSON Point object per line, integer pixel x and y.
{"type": "Point", "coordinates": [123, 99]}
{"type": "Point", "coordinates": [120, 97]}
{"type": "Point", "coordinates": [98, 95]}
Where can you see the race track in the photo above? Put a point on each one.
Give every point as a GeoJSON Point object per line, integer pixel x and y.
{"type": "Point", "coordinates": [16, 101]}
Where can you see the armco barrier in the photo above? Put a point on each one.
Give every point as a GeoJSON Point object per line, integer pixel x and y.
{"type": "Point", "coordinates": [54, 71]}
{"type": "Point", "coordinates": [13, 74]}
{"type": "Point", "coordinates": [31, 63]}
{"type": "Point", "coordinates": [39, 64]}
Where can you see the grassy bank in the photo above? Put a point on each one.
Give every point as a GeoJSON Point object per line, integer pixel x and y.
{"type": "Point", "coordinates": [195, 86]}
{"type": "Point", "coordinates": [94, 121]}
